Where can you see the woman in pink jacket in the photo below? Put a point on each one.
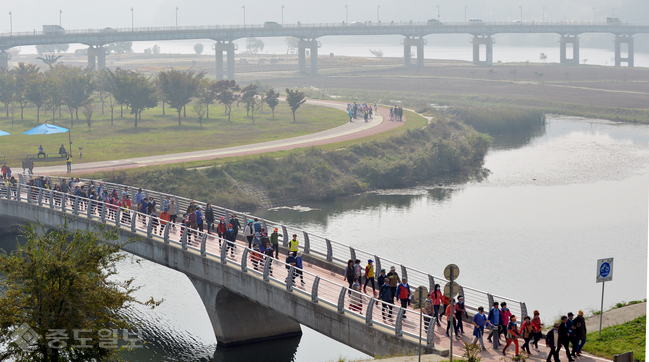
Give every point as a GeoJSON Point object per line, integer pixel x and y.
{"type": "Point", "coordinates": [437, 298]}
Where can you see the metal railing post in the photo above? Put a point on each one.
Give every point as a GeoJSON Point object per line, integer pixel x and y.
{"type": "Point", "coordinates": [307, 243]}
{"type": "Point", "coordinates": [63, 201]}
{"type": "Point", "coordinates": [89, 209]}
{"type": "Point", "coordinates": [430, 332]}
{"type": "Point", "coordinates": [404, 272]}
{"type": "Point", "coordinates": [523, 311]}
{"type": "Point", "coordinates": [244, 260]}
{"type": "Point", "coordinates": [398, 324]}
{"type": "Point", "coordinates": [149, 230]}
{"type": "Point", "coordinates": [314, 290]}
{"type": "Point", "coordinates": [330, 251]}
{"type": "Point", "coordinates": [431, 283]}
{"type": "Point", "coordinates": [267, 266]}
{"type": "Point", "coordinates": [118, 216]}
{"type": "Point", "coordinates": [51, 199]}
{"type": "Point", "coordinates": [341, 300]}
{"type": "Point", "coordinates": [29, 194]}
{"type": "Point", "coordinates": [18, 191]}
{"type": "Point", "coordinates": [166, 236]}
{"type": "Point", "coordinates": [285, 237]}
{"type": "Point", "coordinates": [377, 261]}
{"type": "Point", "coordinates": [224, 250]}
{"type": "Point", "coordinates": [133, 221]}
{"type": "Point", "coordinates": [75, 207]}
{"type": "Point", "coordinates": [103, 212]}
{"type": "Point", "coordinates": [368, 311]}
{"type": "Point", "coordinates": [263, 223]}
{"type": "Point", "coordinates": [289, 278]}
{"type": "Point", "coordinates": [491, 300]}
{"type": "Point", "coordinates": [40, 196]}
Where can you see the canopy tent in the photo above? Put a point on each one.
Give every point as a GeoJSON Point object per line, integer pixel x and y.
{"type": "Point", "coordinates": [46, 129]}
{"type": "Point", "coordinates": [3, 133]}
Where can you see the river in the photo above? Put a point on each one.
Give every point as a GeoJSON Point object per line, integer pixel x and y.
{"type": "Point", "coordinates": [553, 202]}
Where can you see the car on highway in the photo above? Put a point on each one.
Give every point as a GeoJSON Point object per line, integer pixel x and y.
{"type": "Point", "coordinates": [108, 30]}
{"type": "Point", "coordinates": [433, 22]}
{"type": "Point", "coordinates": [517, 22]}
{"type": "Point", "coordinates": [357, 23]}
{"type": "Point", "coordinates": [272, 24]}
{"type": "Point", "coordinates": [475, 21]}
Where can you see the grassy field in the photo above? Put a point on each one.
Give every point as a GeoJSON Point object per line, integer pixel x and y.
{"type": "Point", "coordinates": [160, 134]}
{"type": "Point", "coordinates": [629, 336]}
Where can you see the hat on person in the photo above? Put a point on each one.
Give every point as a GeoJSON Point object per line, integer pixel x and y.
{"type": "Point", "coordinates": [275, 229]}
{"type": "Point", "coordinates": [165, 209]}
{"type": "Point", "coordinates": [249, 221]}
{"type": "Point", "coordinates": [370, 261]}
{"type": "Point", "coordinates": [382, 270]}
{"type": "Point", "coordinates": [229, 225]}
{"type": "Point", "coordinates": [222, 218]}
{"type": "Point", "coordinates": [581, 312]}
{"type": "Point", "coordinates": [570, 314]}
{"type": "Point", "coordinates": [392, 268]}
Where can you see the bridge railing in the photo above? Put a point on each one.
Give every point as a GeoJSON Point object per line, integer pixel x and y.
{"type": "Point", "coordinates": [335, 252]}
{"type": "Point", "coordinates": [365, 308]}
{"type": "Point", "coordinates": [110, 31]}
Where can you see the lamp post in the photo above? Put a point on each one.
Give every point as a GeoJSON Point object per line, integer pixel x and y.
{"type": "Point", "coordinates": [347, 14]}
{"type": "Point", "coordinates": [521, 7]}
{"type": "Point", "coordinates": [60, 12]}
{"type": "Point", "coordinates": [378, 20]}
{"type": "Point", "coordinates": [465, 7]}
{"type": "Point", "coordinates": [595, 14]}
{"type": "Point", "coordinates": [176, 16]}
{"type": "Point", "coordinates": [11, 25]}
{"type": "Point", "coordinates": [282, 15]}
{"type": "Point", "coordinates": [132, 27]}
{"type": "Point", "coordinates": [437, 12]}
{"type": "Point", "coordinates": [244, 15]}
{"type": "Point", "coordinates": [543, 21]}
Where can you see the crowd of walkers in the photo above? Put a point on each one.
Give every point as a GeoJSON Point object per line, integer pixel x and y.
{"type": "Point", "coordinates": [388, 287]}
{"type": "Point", "coordinates": [361, 110]}
{"type": "Point", "coordinates": [396, 114]}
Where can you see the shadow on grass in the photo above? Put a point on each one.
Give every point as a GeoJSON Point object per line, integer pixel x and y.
{"type": "Point", "coordinates": [134, 130]}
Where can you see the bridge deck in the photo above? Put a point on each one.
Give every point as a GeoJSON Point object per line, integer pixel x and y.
{"type": "Point", "coordinates": [315, 282]}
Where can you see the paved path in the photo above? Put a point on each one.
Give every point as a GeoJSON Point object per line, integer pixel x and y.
{"type": "Point", "coordinates": [346, 132]}
{"type": "Point", "coordinates": [616, 316]}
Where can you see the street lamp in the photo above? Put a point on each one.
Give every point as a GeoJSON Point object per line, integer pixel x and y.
{"type": "Point", "coordinates": [11, 25]}
{"type": "Point", "coordinates": [346, 14]}
{"type": "Point", "coordinates": [465, 7]}
{"type": "Point", "coordinates": [378, 20]}
{"type": "Point", "coordinates": [244, 15]}
{"type": "Point", "coordinates": [132, 28]}
{"type": "Point", "coordinates": [282, 15]}
{"type": "Point", "coordinates": [543, 15]}
{"type": "Point", "coordinates": [521, 7]}
{"type": "Point", "coordinates": [437, 12]}
{"type": "Point", "coordinates": [595, 14]}
{"type": "Point", "coordinates": [176, 16]}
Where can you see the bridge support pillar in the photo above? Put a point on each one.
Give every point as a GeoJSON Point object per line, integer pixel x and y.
{"type": "Point", "coordinates": [488, 42]}
{"type": "Point", "coordinates": [574, 40]}
{"type": "Point", "coordinates": [302, 45]}
{"type": "Point", "coordinates": [99, 54]}
{"type": "Point", "coordinates": [237, 320]}
{"type": "Point", "coordinates": [629, 60]}
{"type": "Point", "coordinates": [4, 59]}
{"type": "Point", "coordinates": [410, 42]}
{"type": "Point", "coordinates": [229, 48]}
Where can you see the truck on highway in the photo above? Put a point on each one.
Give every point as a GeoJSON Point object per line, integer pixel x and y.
{"type": "Point", "coordinates": [53, 29]}
{"type": "Point", "coordinates": [610, 21]}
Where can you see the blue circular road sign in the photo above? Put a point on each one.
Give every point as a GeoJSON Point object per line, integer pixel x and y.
{"type": "Point", "coordinates": [604, 270]}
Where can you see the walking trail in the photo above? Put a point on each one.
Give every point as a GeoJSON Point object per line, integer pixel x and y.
{"type": "Point", "coordinates": [349, 131]}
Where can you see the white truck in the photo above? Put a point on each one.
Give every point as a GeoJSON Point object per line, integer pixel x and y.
{"type": "Point", "coordinates": [53, 29]}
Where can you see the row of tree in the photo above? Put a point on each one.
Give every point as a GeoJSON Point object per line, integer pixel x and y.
{"type": "Point", "coordinates": [77, 87]}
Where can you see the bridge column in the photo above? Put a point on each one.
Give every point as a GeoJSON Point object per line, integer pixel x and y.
{"type": "Point", "coordinates": [406, 51]}
{"type": "Point", "coordinates": [301, 56]}
{"type": "Point", "coordinates": [420, 51]}
{"type": "Point", "coordinates": [629, 60]}
{"type": "Point", "coordinates": [101, 57]}
{"type": "Point", "coordinates": [4, 59]}
{"type": "Point", "coordinates": [92, 52]}
{"type": "Point", "coordinates": [409, 42]}
{"type": "Point", "coordinates": [314, 57]}
{"type": "Point", "coordinates": [302, 45]}
{"type": "Point", "coordinates": [230, 56]}
{"type": "Point", "coordinates": [237, 320]}
{"type": "Point", "coordinates": [488, 43]}
{"type": "Point", "coordinates": [219, 47]}
{"type": "Point", "coordinates": [567, 39]}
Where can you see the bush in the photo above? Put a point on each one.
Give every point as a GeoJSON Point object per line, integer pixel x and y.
{"type": "Point", "coordinates": [501, 120]}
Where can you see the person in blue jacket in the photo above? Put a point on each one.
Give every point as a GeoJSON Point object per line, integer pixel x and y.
{"type": "Point", "coordinates": [385, 295]}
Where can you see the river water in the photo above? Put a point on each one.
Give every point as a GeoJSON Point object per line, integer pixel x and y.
{"type": "Point", "coordinates": [551, 204]}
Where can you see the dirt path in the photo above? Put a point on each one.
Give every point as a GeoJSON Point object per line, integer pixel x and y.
{"type": "Point", "coordinates": [349, 131]}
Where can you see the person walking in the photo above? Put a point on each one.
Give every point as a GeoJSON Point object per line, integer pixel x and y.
{"type": "Point", "coordinates": [173, 213]}
{"type": "Point", "coordinates": [199, 218]}
{"type": "Point", "coordinates": [496, 321]}
{"type": "Point", "coordinates": [564, 337]}
{"type": "Point", "coordinates": [450, 319]}
{"type": "Point", "coordinates": [394, 281]}
{"type": "Point", "coordinates": [552, 342]}
{"type": "Point", "coordinates": [527, 332]}
{"type": "Point", "coordinates": [248, 233]}
{"type": "Point", "coordinates": [68, 164]}
{"type": "Point", "coordinates": [350, 273]}
{"type": "Point", "coordinates": [274, 241]}
{"type": "Point", "coordinates": [436, 297]}
{"type": "Point", "coordinates": [460, 312]}
{"type": "Point", "coordinates": [231, 237]}
{"type": "Point", "coordinates": [209, 217]}
{"type": "Point", "coordinates": [385, 295]}
{"type": "Point", "coordinates": [512, 335]}
{"type": "Point", "coordinates": [235, 225]}
{"type": "Point", "coordinates": [429, 309]}
{"type": "Point", "coordinates": [479, 321]}
{"type": "Point", "coordinates": [538, 326]}
{"type": "Point", "coordinates": [299, 266]}
{"type": "Point", "coordinates": [369, 276]}
{"type": "Point", "coordinates": [164, 219]}
{"type": "Point", "coordinates": [290, 261]}
{"type": "Point", "coordinates": [580, 331]}
{"type": "Point", "coordinates": [404, 293]}
{"type": "Point", "coordinates": [358, 270]}
{"type": "Point", "coordinates": [294, 244]}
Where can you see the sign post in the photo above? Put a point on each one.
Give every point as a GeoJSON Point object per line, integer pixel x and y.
{"type": "Point", "coordinates": [604, 274]}
{"type": "Point", "coordinates": [451, 272]}
{"type": "Point", "coordinates": [420, 299]}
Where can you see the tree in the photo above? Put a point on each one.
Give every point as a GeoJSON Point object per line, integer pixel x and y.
{"type": "Point", "coordinates": [272, 99]}
{"type": "Point", "coordinates": [7, 88]}
{"type": "Point", "coordinates": [291, 44]}
{"type": "Point", "coordinates": [543, 57]}
{"type": "Point", "coordinates": [87, 112]}
{"type": "Point", "coordinates": [377, 53]}
{"type": "Point", "coordinates": [138, 91]}
{"type": "Point", "coordinates": [206, 94]}
{"type": "Point", "coordinates": [179, 87]}
{"type": "Point", "coordinates": [65, 280]}
{"type": "Point", "coordinates": [119, 81]}
{"type": "Point", "coordinates": [52, 48]}
{"type": "Point", "coordinates": [23, 73]}
{"type": "Point", "coordinates": [76, 85]}
{"type": "Point", "coordinates": [492, 72]}
{"type": "Point", "coordinates": [249, 98]}
{"type": "Point", "coordinates": [120, 48]}
{"type": "Point", "coordinates": [36, 92]}
{"type": "Point", "coordinates": [295, 99]}
{"type": "Point", "coordinates": [155, 49]}
{"type": "Point", "coordinates": [199, 108]}
{"type": "Point", "coordinates": [54, 96]}
{"type": "Point", "coordinates": [198, 48]}
{"type": "Point", "coordinates": [225, 94]}
{"type": "Point", "coordinates": [254, 45]}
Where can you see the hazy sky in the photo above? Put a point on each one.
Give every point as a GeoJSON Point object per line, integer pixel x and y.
{"type": "Point", "coordinates": [79, 14]}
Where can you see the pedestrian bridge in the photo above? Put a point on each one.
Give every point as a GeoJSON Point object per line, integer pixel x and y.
{"type": "Point", "coordinates": [248, 299]}
{"type": "Point", "coordinates": [308, 34]}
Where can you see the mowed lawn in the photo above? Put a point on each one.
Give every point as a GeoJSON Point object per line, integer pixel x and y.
{"type": "Point", "coordinates": [157, 133]}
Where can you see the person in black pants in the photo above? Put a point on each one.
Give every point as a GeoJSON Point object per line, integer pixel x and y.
{"type": "Point", "coordinates": [564, 338]}
{"type": "Point", "coordinates": [552, 341]}
{"type": "Point", "coordinates": [460, 311]}
{"type": "Point", "coordinates": [385, 295]}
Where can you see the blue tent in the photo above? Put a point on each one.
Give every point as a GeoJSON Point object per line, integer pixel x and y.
{"type": "Point", "coordinates": [46, 129]}
{"type": "Point", "coordinates": [3, 133]}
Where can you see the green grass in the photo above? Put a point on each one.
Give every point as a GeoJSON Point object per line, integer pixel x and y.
{"type": "Point", "coordinates": [629, 336]}
{"type": "Point", "coordinates": [160, 134]}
